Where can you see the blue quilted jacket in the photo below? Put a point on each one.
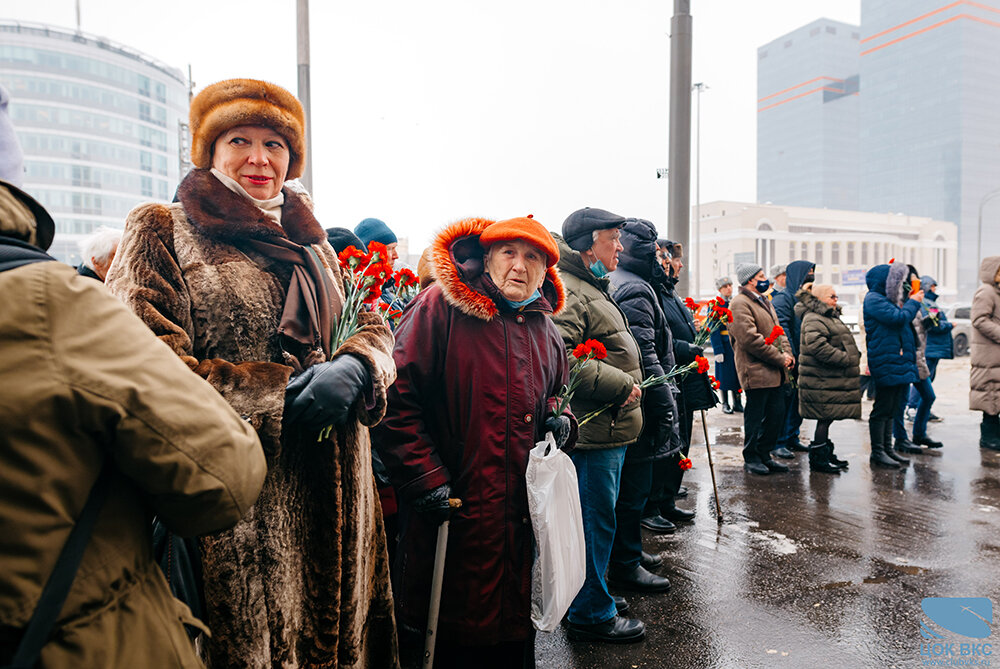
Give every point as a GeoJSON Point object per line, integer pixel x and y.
{"type": "Point", "coordinates": [892, 357]}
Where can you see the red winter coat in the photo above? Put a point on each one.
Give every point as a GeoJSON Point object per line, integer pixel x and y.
{"type": "Point", "coordinates": [475, 383]}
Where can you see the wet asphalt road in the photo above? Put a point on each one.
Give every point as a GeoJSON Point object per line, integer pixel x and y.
{"type": "Point", "coordinates": [818, 570]}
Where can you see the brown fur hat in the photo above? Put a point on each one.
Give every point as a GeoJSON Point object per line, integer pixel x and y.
{"type": "Point", "coordinates": [235, 102]}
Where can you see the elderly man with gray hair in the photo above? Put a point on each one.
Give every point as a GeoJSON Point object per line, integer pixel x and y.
{"type": "Point", "coordinates": [98, 251]}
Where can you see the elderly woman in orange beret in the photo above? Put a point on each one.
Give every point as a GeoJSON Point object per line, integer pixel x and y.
{"type": "Point", "coordinates": [238, 278]}
{"type": "Point", "coordinates": [480, 365]}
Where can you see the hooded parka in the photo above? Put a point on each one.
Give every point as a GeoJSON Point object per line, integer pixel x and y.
{"type": "Point", "coordinates": [477, 380]}
{"type": "Point", "coordinates": [984, 379]}
{"type": "Point", "coordinates": [632, 282]}
{"type": "Point", "coordinates": [784, 301]}
{"type": "Point", "coordinates": [939, 340]}
{"type": "Point", "coordinates": [87, 387]}
{"type": "Point", "coordinates": [303, 580]}
{"type": "Point", "coordinates": [889, 334]}
{"type": "Point", "coordinates": [590, 313]}
{"type": "Point", "coordinates": [829, 378]}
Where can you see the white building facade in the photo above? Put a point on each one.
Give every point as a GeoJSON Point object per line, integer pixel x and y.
{"type": "Point", "coordinates": [842, 244]}
{"type": "Point", "coordinates": [102, 126]}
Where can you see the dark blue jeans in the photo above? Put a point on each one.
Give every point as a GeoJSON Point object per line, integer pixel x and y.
{"type": "Point", "coordinates": [914, 400]}
{"type": "Point", "coordinates": [925, 391]}
{"type": "Point", "coordinates": [793, 419]}
{"type": "Point", "coordinates": [599, 474]}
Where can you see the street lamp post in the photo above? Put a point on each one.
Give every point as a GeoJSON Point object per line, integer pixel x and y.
{"type": "Point", "coordinates": [979, 229]}
{"type": "Point", "coordinates": [302, 49]}
{"type": "Point", "coordinates": [696, 270]}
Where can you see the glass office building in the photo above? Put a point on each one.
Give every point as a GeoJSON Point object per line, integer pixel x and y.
{"type": "Point", "coordinates": [930, 117]}
{"type": "Point", "coordinates": [807, 117]}
{"type": "Point", "coordinates": [101, 126]}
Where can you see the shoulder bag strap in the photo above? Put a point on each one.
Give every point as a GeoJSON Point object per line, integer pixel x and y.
{"type": "Point", "coordinates": [39, 628]}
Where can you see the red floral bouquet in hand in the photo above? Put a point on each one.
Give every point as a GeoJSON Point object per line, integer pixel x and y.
{"type": "Point", "coordinates": [584, 353]}
{"type": "Point", "coordinates": [700, 365]}
{"type": "Point", "coordinates": [390, 314]}
{"type": "Point", "coordinates": [718, 314]}
{"type": "Point", "coordinates": [364, 276]}
{"type": "Point", "coordinates": [775, 339]}
{"type": "Point", "coordinates": [685, 464]}
{"type": "Point", "coordinates": [407, 284]}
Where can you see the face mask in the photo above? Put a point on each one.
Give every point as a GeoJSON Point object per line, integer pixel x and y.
{"type": "Point", "coordinates": [598, 269]}
{"type": "Point", "coordinates": [762, 286]}
{"type": "Point", "coordinates": [809, 278]}
{"type": "Point", "coordinates": [930, 294]}
{"type": "Point", "coordinates": [522, 303]}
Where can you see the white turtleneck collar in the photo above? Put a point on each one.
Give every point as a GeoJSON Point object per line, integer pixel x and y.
{"type": "Point", "coordinates": [270, 207]}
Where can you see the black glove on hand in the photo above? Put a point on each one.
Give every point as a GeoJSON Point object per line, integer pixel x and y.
{"type": "Point", "coordinates": [697, 350]}
{"type": "Point", "coordinates": [559, 426]}
{"type": "Point", "coordinates": [324, 393]}
{"type": "Point", "coordinates": [433, 504]}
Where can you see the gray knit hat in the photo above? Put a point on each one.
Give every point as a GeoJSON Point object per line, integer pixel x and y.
{"type": "Point", "coordinates": [746, 271]}
{"type": "Point", "coordinates": [777, 270]}
{"type": "Point", "coordinates": [722, 281]}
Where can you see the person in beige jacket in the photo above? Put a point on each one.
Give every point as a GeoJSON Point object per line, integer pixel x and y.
{"type": "Point", "coordinates": [88, 388]}
{"type": "Point", "coordinates": [761, 367]}
{"type": "Point", "coordinates": [984, 379]}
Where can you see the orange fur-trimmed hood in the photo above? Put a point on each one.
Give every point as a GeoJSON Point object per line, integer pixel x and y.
{"type": "Point", "coordinates": [457, 259]}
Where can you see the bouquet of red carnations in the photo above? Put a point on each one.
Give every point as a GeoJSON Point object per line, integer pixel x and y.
{"type": "Point", "coordinates": [717, 315]}
{"type": "Point", "coordinates": [365, 274]}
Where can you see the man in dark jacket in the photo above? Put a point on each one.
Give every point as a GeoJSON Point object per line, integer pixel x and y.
{"type": "Point", "coordinates": [638, 270]}
{"type": "Point", "coordinates": [797, 273]}
{"type": "Point", "coordinates": [892, 356]}
{"type": "Point", "coordinates": [695, 395]}
{"type": "Point", "coordinates": [588, 251]}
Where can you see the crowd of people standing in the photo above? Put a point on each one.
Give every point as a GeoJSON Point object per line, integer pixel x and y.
{"type": "Point", "coordinates": [306, 475]}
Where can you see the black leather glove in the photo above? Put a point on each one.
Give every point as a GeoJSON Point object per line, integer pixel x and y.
{"type": "Point", "coordinates": [433, 504]}
{"type": "Point", "coordinates": [324, 393]}
{"type": "Point", "coordinates": [697, 350]}
{"type": "Point", "coordinates": [559, 426]}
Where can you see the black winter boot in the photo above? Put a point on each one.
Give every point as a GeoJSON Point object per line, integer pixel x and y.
{"type": "Point", "coordinates": [819, 461]}
{"type": "Point", "coordinates": [878, 458]}
{"type": "Point", "coordinates": [834, 460]}
{"type": "Point", "coordinates": [989, 433]}
{"type": "Point", "coordinates": [904, 445]}
{"type": "Point", "coordinates": [887, 444]}
{"type": "Point", "coordinates": [737, 401]}
{"type": "Point", "coordinates": [726, 408]}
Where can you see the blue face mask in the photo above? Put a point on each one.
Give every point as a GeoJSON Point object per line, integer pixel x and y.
{"type": "Point", "coordinates": [598, 269]}
{"type": "Point", "coordinates": [524, 303]}
{"type": "Point", "coordinates": [931, 295]}
{"type": "Point", "coordinates": [762, 286]}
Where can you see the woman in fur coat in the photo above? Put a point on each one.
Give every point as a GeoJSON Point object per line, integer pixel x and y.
{"type": "Point", "coordinates": [238, 278]}
{"type": "Point", "coordinates": [480, 365]}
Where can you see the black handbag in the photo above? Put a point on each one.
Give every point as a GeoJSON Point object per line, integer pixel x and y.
{"type": "Point", "coordinates": [180, 561]}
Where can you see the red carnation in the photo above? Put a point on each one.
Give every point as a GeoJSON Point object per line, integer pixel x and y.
{"type": "Point", "coordinates": [377, 252]}
{"type": "Point", "coordinates": [702, 363]}
{"type": "Point", "coordinates": [685, 464]}
{"type": "Point", "coordinates": [405, 278]}
{"type": "Point", "coordinates": [714, 382]}
{"type": "Point", "coordinates": [581, 351]}
{"type": "Point", "coordinates": [350, 258]}
{"type": "Point", "coordinates": [690, 304]}
{"type": "Point", "coordinates": [600, 352]}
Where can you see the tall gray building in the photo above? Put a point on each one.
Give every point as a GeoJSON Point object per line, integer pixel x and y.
{"type": "Point", "coordinates": [100, 125]}
{"type": "Point", "coordinates": [807, 117]}
{"type": "Point", "coordinates": [930, 117]}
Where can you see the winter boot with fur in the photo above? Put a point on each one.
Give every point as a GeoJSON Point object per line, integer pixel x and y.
{"type": "Point", "coordinates": [819, 460]}
{"type": "Point", "coordinates": [878, 458]}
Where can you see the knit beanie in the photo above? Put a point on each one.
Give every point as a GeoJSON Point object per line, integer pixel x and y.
{"type": "Point", "coordinates": [236, 102]}
{"type": "Point", "coordinates": [374, 230]}
{"type": "Point", "coordinates": [746, 271]}
{"type": "Point", "coordinates": [525, 229]}
{"type": "Point", "coordinates": [11, 157]}
{"type": "Point", "coordinates": [341, 238]}
{"type": "Point", "coordinates": [721, 282]}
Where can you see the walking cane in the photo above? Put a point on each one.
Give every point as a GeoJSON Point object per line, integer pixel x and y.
{"type": "Point", "coordinates": [711, 466]}
{"type": "Point", "coordinates": [436, 580]}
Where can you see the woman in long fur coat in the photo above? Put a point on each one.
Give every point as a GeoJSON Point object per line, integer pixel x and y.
{"type": "Point", "coordinates": [239, 279]}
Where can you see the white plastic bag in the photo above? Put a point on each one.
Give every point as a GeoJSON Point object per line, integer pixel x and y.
{"type": "Point", "coordinates": [554, 505]}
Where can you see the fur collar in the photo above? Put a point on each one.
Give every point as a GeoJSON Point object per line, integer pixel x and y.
{"type": "Point", "coordinates": [457, 259]}
{"type": "Point", "coordinates": [224, 215]}
{"type": "Point", "coordinates": [894, 288]}
{"type": "Point", "coordinates": [812, 303]}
